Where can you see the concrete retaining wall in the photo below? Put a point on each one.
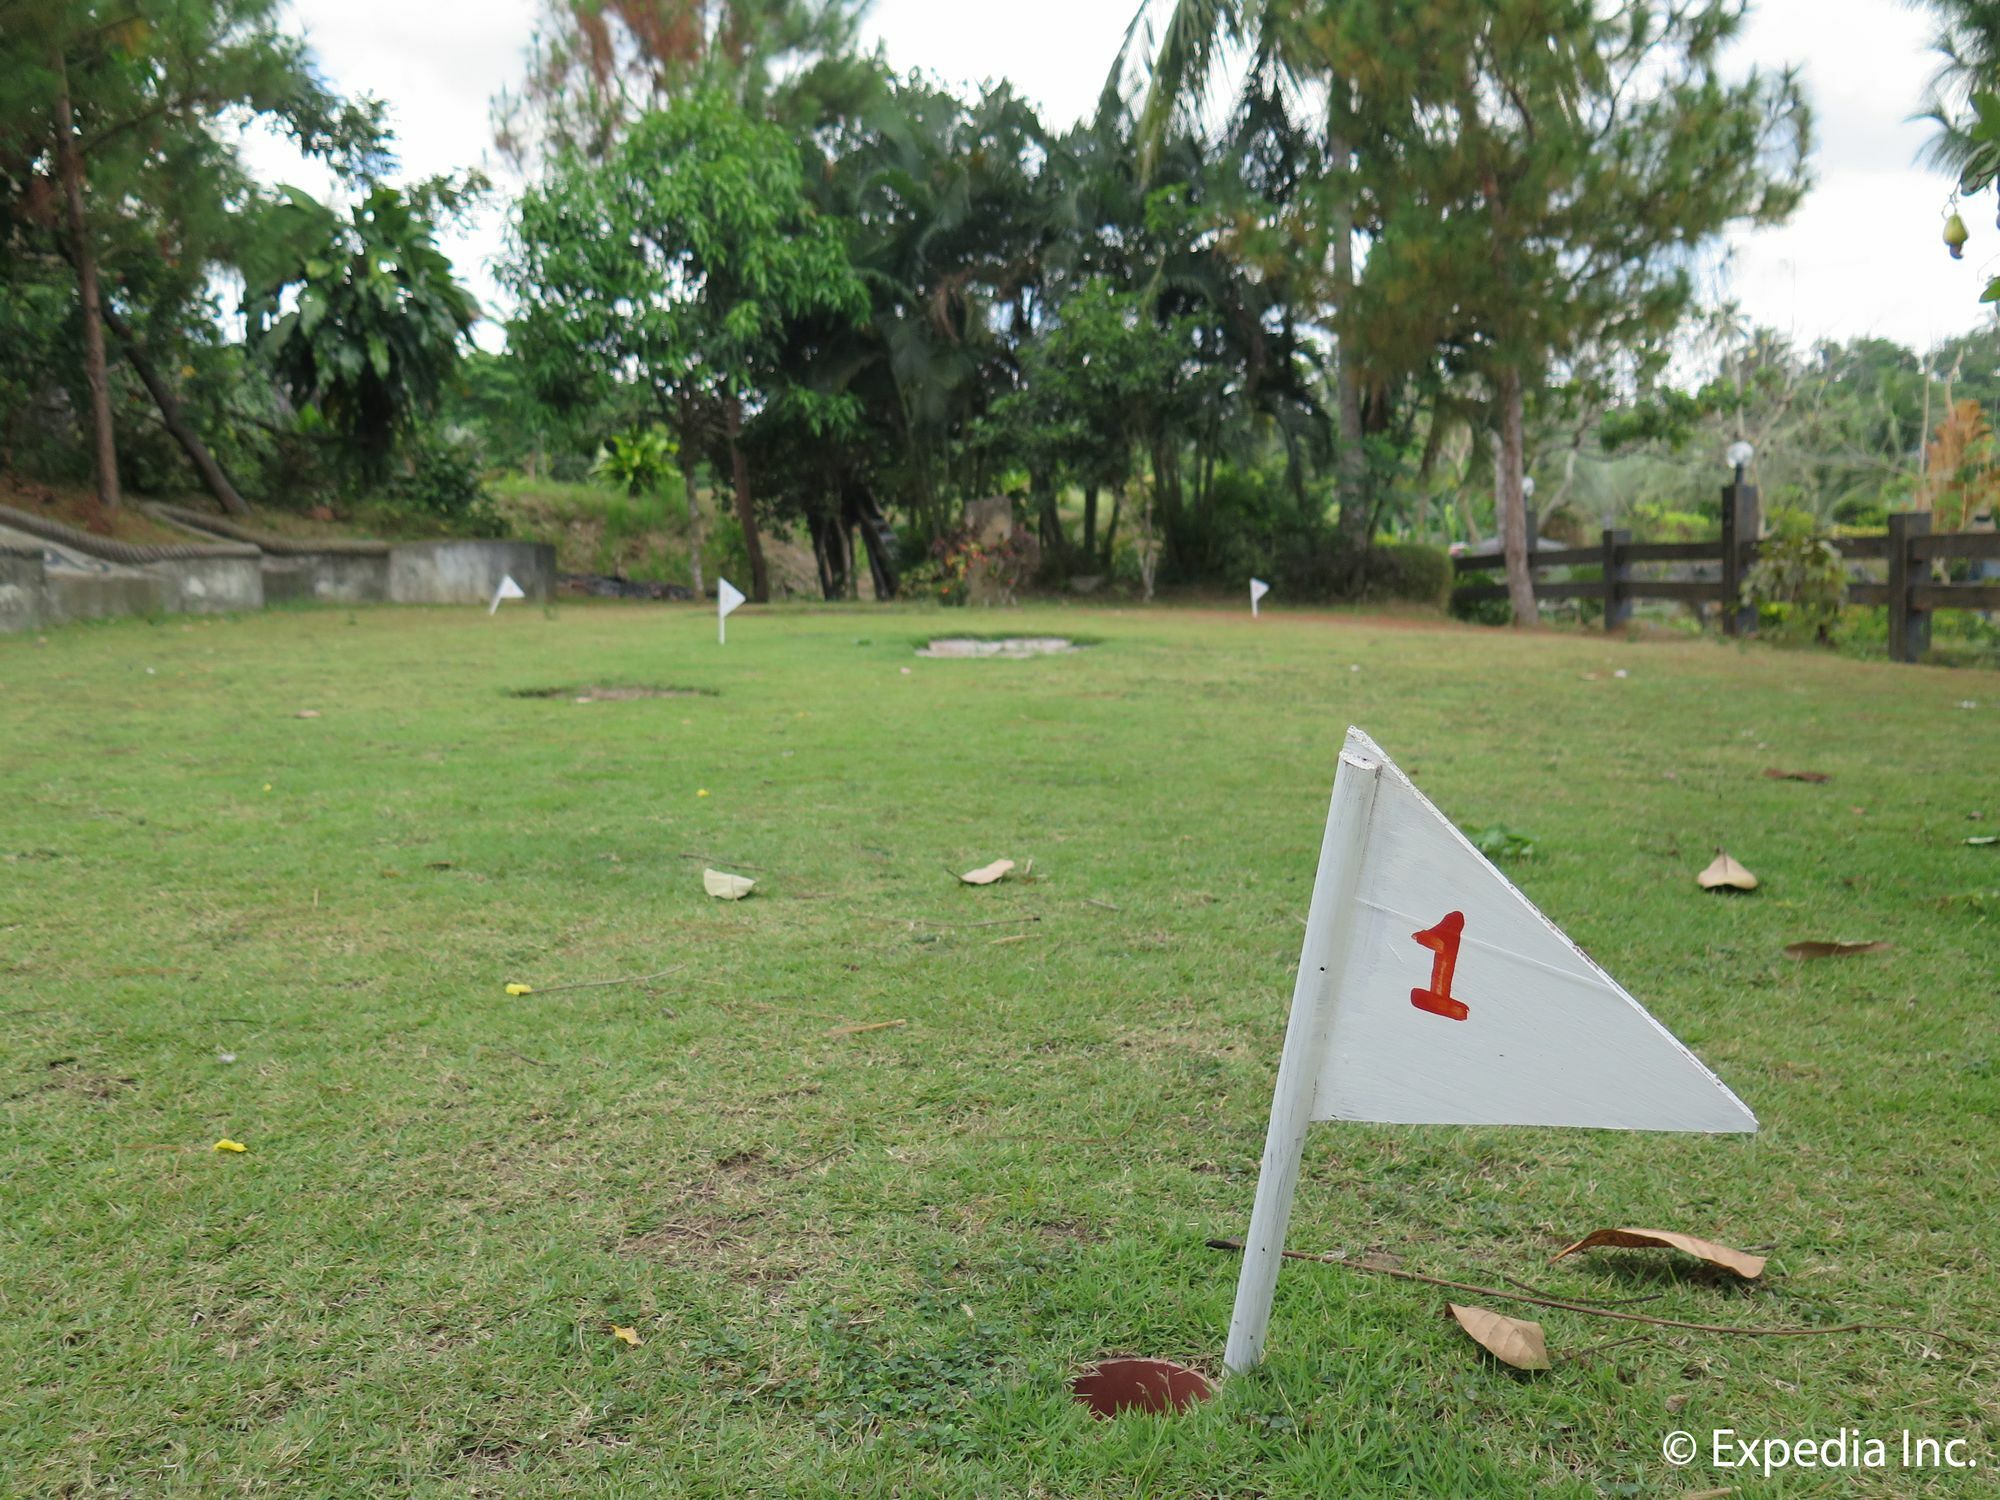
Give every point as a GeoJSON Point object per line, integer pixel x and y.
{"type": "Point", "coordinates": [95, 578]}
{"type": "Point", "coordinates": [24, 592]}
{"type": "Point", "coordinates": [328, 577]}
{"type": "Point", "coordinates": [467, 572]}
{"type": "Point", "coordinates": [209, 585]}
{"type": "Point", "coordinates": [100, 596]}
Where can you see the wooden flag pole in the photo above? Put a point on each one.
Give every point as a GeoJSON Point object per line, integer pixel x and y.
{"type": "Point", "coordinates": [1329, 927]}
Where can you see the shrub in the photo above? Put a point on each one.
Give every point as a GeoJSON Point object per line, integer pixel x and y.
{"type": "Point", "coordinates": [1315, 567]}
{"type": "Point", "coordinates": [441, 480]}
{"type": "Point", "coordinates": [728, 556]}
{"type": "Point", "coordinates": [1482, 611]}
{"type": "Point", "coordinates": [1797, 583]}
{"type": "Point", "coordinates": [1412, 571]}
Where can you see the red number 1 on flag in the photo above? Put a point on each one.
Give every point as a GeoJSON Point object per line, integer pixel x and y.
{"type": "Point", "coordinates": [1442, 940]}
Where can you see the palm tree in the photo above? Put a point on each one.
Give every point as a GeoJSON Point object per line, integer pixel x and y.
{"type": "Point", "coordinates": [1286, 66]}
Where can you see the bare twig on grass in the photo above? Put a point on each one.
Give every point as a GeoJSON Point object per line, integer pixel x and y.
{"type": "Point", "coordinates": [1535, 1291]}
{"type": "Point", "coordinates": [1604, 1312]}
{"type": "Point", "coordinates": [990, 922]}
{"type": "Point", "coordinates": [856, 1030]}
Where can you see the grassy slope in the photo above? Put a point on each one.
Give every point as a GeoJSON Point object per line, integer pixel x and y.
{"type": "Point", "coordinates": [866, 1264]}
{"type": "Point", "coordinates": [596, 529]}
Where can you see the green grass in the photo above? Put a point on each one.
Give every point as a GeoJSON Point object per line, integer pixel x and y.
{"type": "Point", "coordinates": [867, 1264]}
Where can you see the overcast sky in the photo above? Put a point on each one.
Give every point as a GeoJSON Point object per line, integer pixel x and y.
{"type": "Point", "coordinates": [1863, 254]}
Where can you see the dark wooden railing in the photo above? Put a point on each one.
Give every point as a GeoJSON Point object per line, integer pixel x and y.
{"type": "Point", "coordinates": [1908, 547]}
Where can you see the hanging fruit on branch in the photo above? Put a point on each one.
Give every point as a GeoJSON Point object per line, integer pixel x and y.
{"type": "Point", "coordinates": [1955, 236]}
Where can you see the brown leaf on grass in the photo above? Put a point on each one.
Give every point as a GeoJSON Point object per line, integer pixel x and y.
{"type": "Point", "coordinates": [1741, 1262]}
{"type": "Point", "coordinates": [1726, 872]}
{"type": "Point", "coordinates": [1807, 950]}
{"type": "Point", "coordinates": [1512, 1341]}
{"type": "Point", "coordinates": [1777, 775]}
{"type": "Point", "coordinates": [987, 874]}
{"type": "Point", "coordinates": [726, 887]}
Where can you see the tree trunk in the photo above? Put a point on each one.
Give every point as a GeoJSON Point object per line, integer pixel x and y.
{"type": "Point", "coordinates": [690, 446]}
{"type": "Point", "coordinates": [213, 475]}
{"type": "Point", "coordinates": [739, 468]}
{"type": "Point", "coordinates": [1048, 519]}
{"type": "Point", "coordinates": [1111, 526]}
{"type": "Point", "coordinates": [1351, 470]}
{"type": "Point", "coordinates": [1513, 504]}
{"type": "Point", "coordinates": [1089, 518]}
{"type": "Point", "coordinates": [69, 167]}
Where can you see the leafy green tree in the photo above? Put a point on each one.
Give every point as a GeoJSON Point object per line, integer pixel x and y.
{"type": "Point", "coordinates": [679, 261]}
{"type": "Point", "coordinates": [120, 132]}
{"type": "Point", "coordinates": [595, 66]}
{"type": "Point", "coordinates": [1530, 176]}
{"type": "Point", "coordinates": [1964, 102]}
{"type": "Point", "coordinates": [361, 316]}
{"type": "Point", "coordinates": [1595, 147]}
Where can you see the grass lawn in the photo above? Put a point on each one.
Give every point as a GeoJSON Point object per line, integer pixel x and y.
{"type": "Point", "coordinates": [867, 1263]}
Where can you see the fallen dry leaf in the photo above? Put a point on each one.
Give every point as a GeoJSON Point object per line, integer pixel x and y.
{"type": "Point", "coordinates": [1777, 775]}
{"type": "Point", "coordinates": [625, 1335]}
{"type": "Point", "coordinates": [1512, 1341]}
{"type": "Point", "coordinates": [1726, 872]}
{"type": "Point", "coordinates": [226, 1144]}
{"type": "Point", "coordinates": [1832, 950]}
{"type": "Point", "coordinates": [1984, 838]}
{"type": "Point", "coordinates": [306, 713]}
{"type": "Point", "coordinates": [726, 887]}
{"type": "Point", "coordinates": [987, 874]}
{"type": "Point", "coordinates": [1741, 1262]}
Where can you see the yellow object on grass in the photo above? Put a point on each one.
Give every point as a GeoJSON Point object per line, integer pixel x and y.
{"type": "Point", "coordinates": [226, 1144]}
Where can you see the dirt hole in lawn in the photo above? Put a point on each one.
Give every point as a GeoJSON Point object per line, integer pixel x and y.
{"type": "Point", "coordinates": [1010, 647]}
{"type": "Point", "coordinates": [611, 692]}
{"type": "Point", "coordinates": [1112, 1386]}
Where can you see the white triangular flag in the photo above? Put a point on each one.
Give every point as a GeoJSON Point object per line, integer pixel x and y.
{"type": "Point", "coordinates": [727, 597]}
{"type": "Point", "coordinates": [508, 590]}
{"type": "Point", "coordinates": [1258, 589]}
{"type": "Point", "coordinates": [1431, 991]}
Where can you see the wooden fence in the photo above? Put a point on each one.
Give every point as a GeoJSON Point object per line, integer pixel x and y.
{"type": "Point", "coordinates": [1908, 548]}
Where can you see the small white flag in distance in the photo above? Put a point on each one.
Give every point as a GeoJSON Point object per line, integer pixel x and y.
{"type": "Point", "coordinates": [508, 590]}
{"type": "Point", "coordinates": [727, 597]}
{"type": "Point", "coordinates": [1432, 992]}
{"type": "Point", "coordinates": [1258, 589]}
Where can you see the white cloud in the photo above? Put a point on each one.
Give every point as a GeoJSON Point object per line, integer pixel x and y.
{"type": "Point", "coordinates": [1862, 256]}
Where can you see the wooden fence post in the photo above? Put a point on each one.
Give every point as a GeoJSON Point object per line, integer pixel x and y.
{"type": "Point", "coordinates": [1739, 534]}
{"type": "Point", "coordinates": [1909, 628]}
{"type": "Point", "coordinates": [1617, 603]}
